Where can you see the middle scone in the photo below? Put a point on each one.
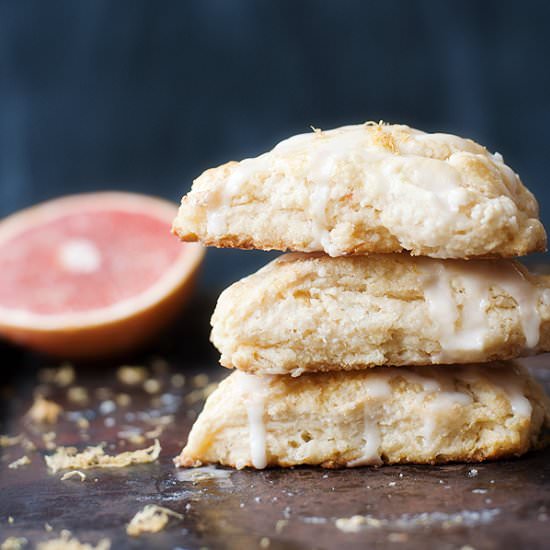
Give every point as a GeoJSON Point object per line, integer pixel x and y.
{"type": "Point", "coordinates": [308, 312]}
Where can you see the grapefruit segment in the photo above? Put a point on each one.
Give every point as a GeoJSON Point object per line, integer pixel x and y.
{"type": "Point", "coordinates": [92, 275]}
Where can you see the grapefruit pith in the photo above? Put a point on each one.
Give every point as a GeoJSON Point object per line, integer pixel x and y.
{"type": "Point", "coordinates": [92, 275]}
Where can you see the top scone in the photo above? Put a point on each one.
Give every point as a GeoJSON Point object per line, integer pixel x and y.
{"type": "Point", "coordinates": [364, 189]}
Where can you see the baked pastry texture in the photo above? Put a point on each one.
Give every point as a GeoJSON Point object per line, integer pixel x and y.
{"type": "Point", "coordinates": [363, 189]}
{"type": "Point", "coordinates": [383, 415]}
{"type": "Point", "coordinates": [307, 312]}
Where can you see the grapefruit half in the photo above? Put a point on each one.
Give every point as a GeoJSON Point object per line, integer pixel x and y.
{"type": "Point", "coordinates": [92, 275]}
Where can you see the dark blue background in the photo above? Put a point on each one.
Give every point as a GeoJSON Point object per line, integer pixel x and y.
{"type": "Point", "coordinates": [144, 95]}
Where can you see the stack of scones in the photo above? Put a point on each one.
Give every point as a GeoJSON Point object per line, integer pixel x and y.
{"type": "Point", "coordinates": [387, 334]}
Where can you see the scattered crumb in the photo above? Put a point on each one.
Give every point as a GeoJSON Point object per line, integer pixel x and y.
{"type": "Point", "coordinates": [44, 411]}
{"type": "Point", "coordinates": [177, 380]}
{"type": "Point", "coordinates": [11, 521]}
{"type": "Point", "coordinates": [28, 445]}
{"type": "Point", "coordinates": [133, 436]}
{"type": "Point", "coordinates": [472, 472]}
{"type": "Point", "coordinates": [280, 525]}
{"type": "Point", "coordinates": [206, 473]}
{"type": "Point", "coordinates": [48, 528]}
{"type": "Point", "coordinates": [467, 518]}
{"type": "Point", "coordinates": [164, 420]}
{"type": "Point", "coordinates": [10, 440]}
{"type": "Point", "coordinates": [354, 524]}
{"type": "Point", "coordinates": [49, 440]}
{"type": "Point", "coordinates": [123, 399]}
{"type": "Point", "coordinates": [152, 385]}
{"type": "Point", "coordinates": [23, 461]}
{"type": "Point", "coordinates": [74, 473]}
{"type": "Point", "coordinates": [66, 458]}
{"type": "Point", "coordinates": [131, 375]}
{"type": "Point", "coordinates": [200, 381]}
{"type": "Point", "coordinates": [13, 543]}
{"type": "Point", "coordinates": [67, 542]}
{"type": "Point", "coordinates": [265, 542]}
{"type": "Point", "coordinates": [78, 395]}
{"type": "Point", "coordinates": [62, 376]}
{"type": "Point", "coordinates": [154, 434]}
{"type": "Point", "coordinates": [83, 423]}
{"type": "Point", "coordinates": [151, 519]}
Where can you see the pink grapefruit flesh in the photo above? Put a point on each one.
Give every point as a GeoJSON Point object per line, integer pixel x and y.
{"type": "Point", "coordinates": [91, 275]}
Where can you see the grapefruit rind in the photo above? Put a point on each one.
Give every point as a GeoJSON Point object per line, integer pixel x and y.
{"type": "Point", "coordinates": [102, 331]}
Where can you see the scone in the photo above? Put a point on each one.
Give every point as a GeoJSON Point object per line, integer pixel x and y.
{"type": "Point", "coordinates": [383, 415]}
{"type": "Point", "coordinates": [363, 189]}
{"type": "Point", "coordinates": [306, 312]}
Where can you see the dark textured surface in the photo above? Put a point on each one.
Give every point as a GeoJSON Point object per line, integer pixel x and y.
{"type": "Point", "coordinates": [506, 505]}
{"type": "Point", "coordinates": [144, 96]}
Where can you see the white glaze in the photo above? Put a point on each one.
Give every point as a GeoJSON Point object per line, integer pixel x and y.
{"type": "Point", "coordinates": [513, 386]}
{"type": "Point", "coordinates": [427, 185]}
{"type": "Point", "coordinates": [221, 200]}
{"type": "Point", "coordinates": [371, 450]}
{"type": "Point", "coordinates": [254, 389]}
{"type": "Point", "coordinates": [377, 386]}
{"type": "Point", "coordinates": [467, 328]}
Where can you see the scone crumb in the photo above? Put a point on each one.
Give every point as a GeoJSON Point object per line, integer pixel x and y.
{"type": "Point", "coordinates": [78, 395]}
{"type": "Point", "coordinates": [44, 411]}
{"type": "Point", "coordinates": [357, 523]}
{"type": "Point", "coordinates": [132, 375]}
{"type": "Point", "coordinates": [83, 423]}
{"type": "Point", "coordinates": [23, 461]}
{"type": "Point", "coordinates": [48, 528]}
{"type": "Point", "coordinates": [10, 440]}
{"type": "Point", "coordinates": [200, 380]}
{"type": "Point", "coordinates": [123, 399]}
{"type": "Point", "coordinates": [177, 380]}
{"type": "Point", "coordinates": [49, 440]}
{"type": "Point", "coordinates": [73, 473]}
{"type": "Point", "coordinates": [132, 436]}
{"type": "Point", "coordinates": [280, 525]}
{"type": "Point", "coordinates": [265, 542]}
{"type": "Point", "coordinates": [62, 376]}
{"type": "Point", "coordinates": [13, 543]}
{"type": "Point", "coordinates": [151, 519]}
{"type": "Point", "coordinates": [65, 541]}
{"type": "Point", "coordinates": [68, 458]}
{"type": "Point", "coordinates": [152, 386]}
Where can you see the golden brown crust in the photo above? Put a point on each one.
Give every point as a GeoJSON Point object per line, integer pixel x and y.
{"type": "Point", "coordinates": [347, 191]}
{"type": "Point", "coordinates": [427, 416]}
{"type": "Point", "coordinates": [313, 313]}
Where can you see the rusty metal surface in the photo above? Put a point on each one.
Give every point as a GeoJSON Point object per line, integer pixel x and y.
{"type": "Point", "coordinates": [494, 505]}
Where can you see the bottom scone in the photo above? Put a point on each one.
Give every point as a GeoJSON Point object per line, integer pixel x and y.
{"type": "Point", "coordinates": [381, 415]}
